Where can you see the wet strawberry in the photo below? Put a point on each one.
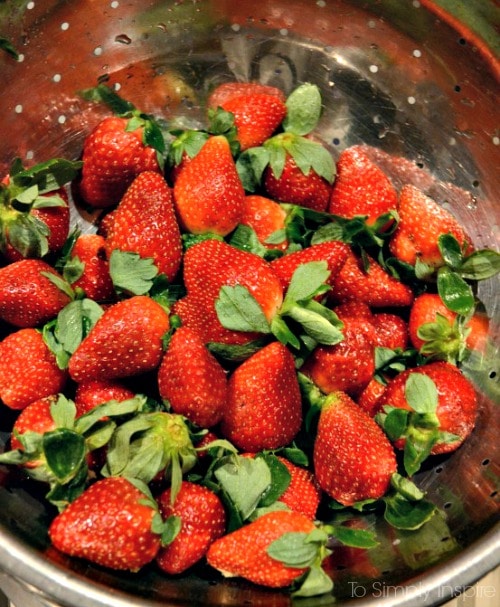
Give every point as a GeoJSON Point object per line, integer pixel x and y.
{"type": "Point", "coordinates": [267, 218]}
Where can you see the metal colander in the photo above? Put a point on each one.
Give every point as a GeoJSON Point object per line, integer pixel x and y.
{"type": "Point", "coordinates": [418, 82]}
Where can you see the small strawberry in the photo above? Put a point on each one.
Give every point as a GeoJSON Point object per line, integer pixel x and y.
{"type": "Point", "coordinates": [201, 520]}
{"type": "Point", "coordinates": [31, 293]}
{"type": "Point", "coordinates": [126, 340]}
{"type": "Point", "coordinates": [110, 524]}
{"type": "Point", "coordinates": [303, 494]}
{"type": "Point", "coordinates": [372, 284]}
{"type": "Point", "coordinates": [353, 458]}
{"type": "Point", "coordinates": [191, 379]}
{"type": "Point", "coordinates": [263, 409]}
{"type": "Point", "coordinates": [267, 218]}
{"type": "Point", "coordinates": [391, 331]}
{"type": "Point", "coordinates": [29, 370]}
{"type": "Point", "coordinates": [208, 193]}
{"type": "Point", "coordinates": [421, 222]}
{"type": "Point", "coordinates": [230, 90]}
{"type": "Point", "coordinates": [144, 223]}
{"type": "Point", "coordinates": [361, 187]}
{"type": "Point", "coordinates": [90, 393]}
{"type": "Point", "coordinates": [247, 552]}
{"type": "Point", "coordinates": [87, 268]}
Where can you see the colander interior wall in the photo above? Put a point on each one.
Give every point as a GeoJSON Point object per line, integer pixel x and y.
{"type": "Point", "coordinates": [398, 75]}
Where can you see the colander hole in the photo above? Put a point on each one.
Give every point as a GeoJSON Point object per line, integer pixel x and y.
{"type": "Point", "coordinates": [492, 374]}
{"type": "Point", "coordinates": [493, 493]}
{"type": "Point", "coordinates": [61, 119]}
{"type": "Point", "coordinates": [373, 69]}
{"type": "Point", "coordinates": [457, 88]}
{"type": "Point", "coordinates": [475, 183]}
{"type": "Point", "coordinates": [18, 109]}
{"type": "Point", "coordinates": [446, 538]}
{"type": "Point", "coordinates": [485, 462]}
{"type": "Point", "coordinates": [114, 4]}
{"type": "Point", "coordinates": [30, 6]}
{"type": "Point", "coordinates": [98, 51]}
{"type": "Point", "coordinates": [56, 78]}
{"type": "Point", "coordinates": [283, 31]}
{"type": "Point", "coordinates": [438, 470]}
{"type": "Point", "coordinates": [372, 24]}
{"type": "Point", "coordinates": [65, 26]}
{"type": "Point", "coordinates": [416, 3]}
{"type": "Point", "coordinates": [336, 141]}
{"type": "Point", "coordinates": [321, 3]}
{"type": "Point", "coordinates": [417, 53]}
{"type": "Point", "coordinates": [447, 505]}
{"type": "Point", "coordinates": [411, 100]}
{"type": "Point", "coordinates": [496, 140]}
{"type": "Point", "coordinates": [462, 41]}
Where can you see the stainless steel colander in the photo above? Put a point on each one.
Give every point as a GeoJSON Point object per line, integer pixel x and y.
{"type": "Point", "coordinates": [418, 81]}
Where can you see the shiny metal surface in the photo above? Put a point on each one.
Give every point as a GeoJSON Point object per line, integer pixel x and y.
{"type": "Point", "coordinates": [394, 74]}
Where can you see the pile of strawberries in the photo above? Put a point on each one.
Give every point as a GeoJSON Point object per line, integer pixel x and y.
{"type": "Point", "coordinates": [255, 337]}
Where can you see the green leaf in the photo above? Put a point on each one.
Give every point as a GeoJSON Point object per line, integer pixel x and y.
{"type": "Point", "coordinates": [357, 538]}
{"type": "Point", "coordinates": [318, 325]}
{"type": "Point", "coordinates": [293, 550]}
{"type": "Point", "coordinates": [63, 412]}
{"type": "Point", "coordinates": [238, 310]}
{"type": "Point", "coordinates": [456, 294]}
{"type": "Point", "coordinates": [402, 513]}
{"type": "Point", "coordinates": [251, 165]}
{"type": "Point", "coordinates": [283, 333]}
{"type": "Point", "coordinates": [60, 283]}
{"type": "Point", "coordinates": [418, 446]}
{"type": "Point", "coordinates": [480, 265]}
{"type": "Point", "coordinates": [394, 421]}
{"type": "Point", "coordinates": [170, 529]}
{"type": "Point", "coordinates": [450, 250]}
{"type": "Point", "coordinates": [104, 94]}
{"type": "Point", "coordinates": [29, 236]}
{"type": "Point", "coordinates": [315, 583]}
{"type": "Point", "coordinates": [421, 393]}
{"type": "Point", "coordinates": [280, 480]}
{"type": "Point", "coordinates": [75, 321]}
{"type": "Point", "coordinates": [64, 452]}
{"type": "Point", "coordinates": [306, 282]}
{"type": "Point", "coordinates": [48, 176]}
{"type": "Point", "coordinates": [131, 273]}
{"type": "Point", "coordinates": [407, 488]}
{"type": "Point", "coordinates": [303, 109]}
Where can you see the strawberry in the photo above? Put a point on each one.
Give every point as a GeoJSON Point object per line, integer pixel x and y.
{"type": "Point", "coordinates": [97, 526]}
{"type": "Point", "coordinates": [29, 370]}
{"type": "Point", "coordinates": [353, 459]}
{"type": "Point", "coordinates": [303, 494]}
{"type": "Point", "coordinates": [114, 153]}
{"type": "Point", "coordinates": [370, 395]}
{"type": "Point", "coordinates": [256, 117]}
{"type": "Point", "coordinates": [263, 409]}
{"type": "Point", "coordinates": [267, 218]}
{"type": "Point", "coordinates": [191, 379]}
{"type": "Point", "coordinates": [361, 187]}
{"type": "Point", "coordinates": [36, 417]}
{"type": "Point", "coordinates": [391, 331]}
{"type": "Point", "coordinates": [126, 340]}
{"type": "Point", "coordinates": [90, 393]}
{"type": "Point", "coordinates": [245, 552]}
{"type": "Point", "coordinates": [202, 519]}
{"type": "Point", "coordinates": [372, 285]}
{"type": "Point", "coordinates": [31, 293]}
{"type": "Point", "coordinates": [144, 223]}
{"type": "Point", "coordinates": [442, 414]}
{"type": "Point", "coordinates": [230, 90]}
{"type": "Point", "coordinates": [421, 222]}
{"type": "Point", "coordinates": [88, 268]}
{"type": "Point", "coordinates": [437, 331]}
{"type": "Point", "coordinates": [347, 366]}
{"type": "Point", "coordinates": [208, 193]}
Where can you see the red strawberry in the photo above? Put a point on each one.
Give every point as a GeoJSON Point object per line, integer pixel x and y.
{"type": "Point", "coordinates": [456, 406]}
{"type": "Point", "coordinates": [202, 520]}
{"type": "Point", "coordinates": [90, 393]}
{"type": "Point", "coordinates": [361, 187]}
{"type": "Point", "coordinates": [108, 524]}
{"type": "Point", "coordinates": [267, 218]}
{"type": "Point", "coordinates": [347, 366]}
{"type": "Point", "coordinates": [391, 331]}
{"type": "Point", "coordinates": [370, 395]}
{"type": "Point", "coordinates": [421, 221]}
{"type": "Point", "coordinates": [353, 458]}
{"type": "Point", "coordinates": [229, 90]}
{"type": "Point", "coordinates": [144, 223]}
{"type": "Point", "coordinates": [372, 285]}
{"type": "Point", "coordinates": [353, 308]}
{"type": "Point", "coordinates": [112, 157]}
{"type": "Point", "coordinates": [29, 370]}
{"type": "Point", "coordinates": [36, 417]}
{"type": "Point", "coordinates": [244, 552]}
{"type": "Point", "coordinates": [191, 379]}
{"type": "Point", "coordinates": [126, 340]}
{"type": "Point", "coordinates": [89, 262]}
{"type": "Point", "coordinates": [434, 329]}
{"type": "Point", "coordinates": [256, 117]}
{"type": "Point", "coordinates": [28, 297]}
{"type": "Point", "coordinates": [303, 494]}
{"type": "Point", "coordinates": [264, 409]}
{"type": "Point", "coordinates": [208, 193]}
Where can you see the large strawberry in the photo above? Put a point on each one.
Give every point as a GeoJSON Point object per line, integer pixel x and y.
{"type": "Point", "coordinates": [191, 379]}
{"type": "Point", "coordinates": [208, 193]}
{"type": "Point", "coordinates": [353, 458]}
{"type": "Point", "coordinates": [421, 222]}
{"type": "Point", "coordinates": [264, 409]}
{"type": "Point", "coordinates": [144, 223]}
{"type": "Point", "coordinates": [97, 526]}
{"type": "Point", "coordinates": [361, 187]}
{"type": "Point", "coordinates": [199, 517]}
{"type": "Point", "coordinates": [126, 340]}
{"type": "Point", "coordinates": [31, 293]}
{"type": "Point", "coordinates": [29, 370]}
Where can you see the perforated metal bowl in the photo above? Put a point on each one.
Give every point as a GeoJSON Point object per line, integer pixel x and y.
{"type": "Point", "coordinates": [418, 85]}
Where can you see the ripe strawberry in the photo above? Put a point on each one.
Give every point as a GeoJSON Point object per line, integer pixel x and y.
{"type": "Point", "coordinates": [347, 366]}
{"type": "Point", "coordinates": [126, 340]}
{"type": "Point", "coordinates": [88, 268]}
{"type": "Point", "coordinates": [267, 218]}
{"type": "Point", "coordinates": [29, 370]}
{"type": "Point", "coordinates": [191, 379]}
{"type": "Point", "coordinates": [372, 285]}
{"type": "Point", "coordinates": [28, 297]}
{"type": "Point", "coordinates": [391, 331]}
{"type": "Point", "coordinates": [108, 524]}
{"type": "Point", "coordinates": [361, 187]}
{"type": "Point", "coordinates": [421, 221]}
{"type": "Point", "coordinates": [229, 90]}
{"type": "Point", "coordinates": [202, 520]}
{"type": "Point", "coordinates": [263, 409]}
{"type": "Point", "coordinates": [303, 494]}
{"type": "Point", "coordinates": [435, 330]}
{"type": "Point", "coordinates": [144, 223]}
{"type": "Point", "coordinates": [455, 409]}
{"type": "Point", "coordinates": [244, 552]}
{"type": "Point", "coordinates": [208, 194]}
{"type": "Point", "coordinates": [90, 393]}
{"type": "Point", "coordinates": [112, 157]}
{"type": "Point", "coordinates": [256, 117]}
{"type": "Point", "coordinates": [353, 458]}
{"type": "Point", "coordinates": [36, 417]}
{"type": "Point", "coordinates": [370, 395]}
